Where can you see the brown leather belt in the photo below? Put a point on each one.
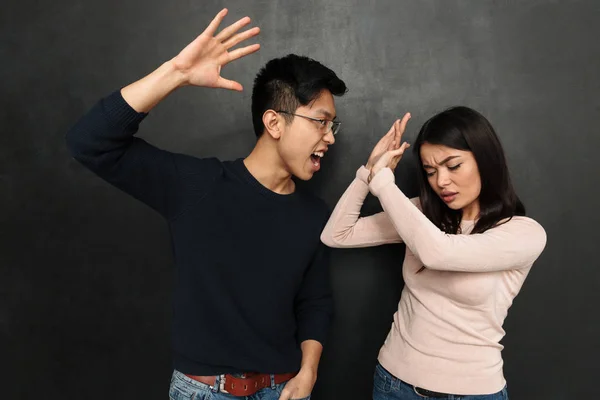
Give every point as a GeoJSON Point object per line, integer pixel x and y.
{"type": "Point", "coordinates": [246, 386]}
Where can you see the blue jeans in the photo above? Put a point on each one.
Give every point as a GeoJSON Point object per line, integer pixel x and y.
{"type": "Point", "coordinates": [186, 388]}
{"type": "Point", "coordinates": [388, 387]}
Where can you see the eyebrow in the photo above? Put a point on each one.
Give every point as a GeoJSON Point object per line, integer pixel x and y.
{"type": "Point", "coordinates": [442, 163]}
{"type": "Point", "coordinates": [326, 113]}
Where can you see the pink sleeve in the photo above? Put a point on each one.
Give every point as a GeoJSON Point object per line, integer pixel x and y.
{"type": "Point", "coordinates": [513, 245]}
{"type": "Point", "coordinates": [346, 228]}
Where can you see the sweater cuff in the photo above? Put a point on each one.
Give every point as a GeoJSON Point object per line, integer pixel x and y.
{"type": "Point", "coordinates": [381, 180]}
{"type": "Point", "coordinates": [119, 112]}
{"type": "Point", "coordinates": [315, 329]}
{"type": "Point", "coordinates": [363, 174]}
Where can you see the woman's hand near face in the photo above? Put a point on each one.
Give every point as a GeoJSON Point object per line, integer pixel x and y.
{"type": "Point", "coordinates": [388, 152]}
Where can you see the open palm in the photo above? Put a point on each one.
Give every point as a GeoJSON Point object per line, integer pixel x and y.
{"type": "Point", "coordinates": [202, 60]}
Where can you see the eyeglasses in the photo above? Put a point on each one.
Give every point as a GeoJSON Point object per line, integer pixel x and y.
{"type": "Point", "coordinates": [326, 125]}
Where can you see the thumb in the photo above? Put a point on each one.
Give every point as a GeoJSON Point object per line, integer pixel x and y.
{"type": "Point", "coordinates": [400, 150]}
{"type": "Point", "coordinates": [397, 152]}
{"type": "Point", "coordinates": [228, 84]}
{"type": "Point", "coordinates": [284, 396]}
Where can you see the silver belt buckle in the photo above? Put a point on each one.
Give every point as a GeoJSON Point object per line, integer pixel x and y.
{"type": "Point", "coordinates": [222, 384]}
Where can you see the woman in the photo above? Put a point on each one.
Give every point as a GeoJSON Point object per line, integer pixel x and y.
{"type": "Point", "coordinates": [469, 248]}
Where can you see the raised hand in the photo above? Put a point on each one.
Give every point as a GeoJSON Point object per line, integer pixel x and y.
{"type": "Point", "coordinates": [201, 61]}
{"type": "Point", "coordinates": [395, 148]}
{"type": "Point", "coordinates": [199, 64]}
{"type": "Point", "coordinates": [390, 141]}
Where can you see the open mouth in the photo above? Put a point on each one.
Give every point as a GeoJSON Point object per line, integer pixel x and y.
{"type": "Point", "coordinates": [449, 197]}
{"type": "Point", "coordinates": [316, 158]}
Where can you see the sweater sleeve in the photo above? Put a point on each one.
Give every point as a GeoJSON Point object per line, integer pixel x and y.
{"type": "Point", "coordinates": [314, 302]}
{"type": "Point", "coordinates": [515, 244]}
{"type": "Point", "coordinates": [103, 141]}
{"type": "Point", "coordinates": [346, 228]}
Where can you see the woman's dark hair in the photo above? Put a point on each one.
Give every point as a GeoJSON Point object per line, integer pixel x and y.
{"type": "Point", "coordinates": [290, 82]}
{"type": "Point", "coordinates": [463, 128]}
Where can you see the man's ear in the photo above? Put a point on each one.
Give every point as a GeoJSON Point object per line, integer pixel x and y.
{"type": "Point", "coordinates": [273, 124]}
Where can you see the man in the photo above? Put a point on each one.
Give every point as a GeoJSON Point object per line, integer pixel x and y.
{"type": "Point", "coordinates": [252, 300]}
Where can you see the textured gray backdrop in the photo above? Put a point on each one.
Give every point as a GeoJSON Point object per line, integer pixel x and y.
{"type": "Point", "coordinates": [85, 270]}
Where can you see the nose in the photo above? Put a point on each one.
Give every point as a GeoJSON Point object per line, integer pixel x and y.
{"type": "Point", "coordinates": [329, 138]}
{"type": "Point", "coordinates": [443, 179]}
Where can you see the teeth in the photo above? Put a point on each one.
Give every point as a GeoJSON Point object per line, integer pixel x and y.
{"type": "Point", "coordinates": [319, 154]}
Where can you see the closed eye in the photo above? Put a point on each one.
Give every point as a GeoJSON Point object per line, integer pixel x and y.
{"type": "Point", "coordinates": [454, 167]}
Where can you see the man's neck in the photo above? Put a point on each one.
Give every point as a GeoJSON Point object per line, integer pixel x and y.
{"type": "Point", "coordinates": [266, 166]}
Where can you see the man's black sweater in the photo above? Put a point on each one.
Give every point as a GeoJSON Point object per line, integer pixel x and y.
{"type": "Point", "coordinates": [252, 279]}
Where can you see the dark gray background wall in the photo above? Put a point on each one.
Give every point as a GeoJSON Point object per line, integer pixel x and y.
{"type": "Point", "coordinates": [85, 271]}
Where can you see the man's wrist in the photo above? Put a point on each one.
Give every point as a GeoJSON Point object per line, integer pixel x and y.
{"type": "Point", "coordinates": [174, 75]}
{"type": "Point", "coordinates": [308, 372]}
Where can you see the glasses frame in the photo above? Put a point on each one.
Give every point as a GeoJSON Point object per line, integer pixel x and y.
{"type": "Point", "coordinates": [329, 125]}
